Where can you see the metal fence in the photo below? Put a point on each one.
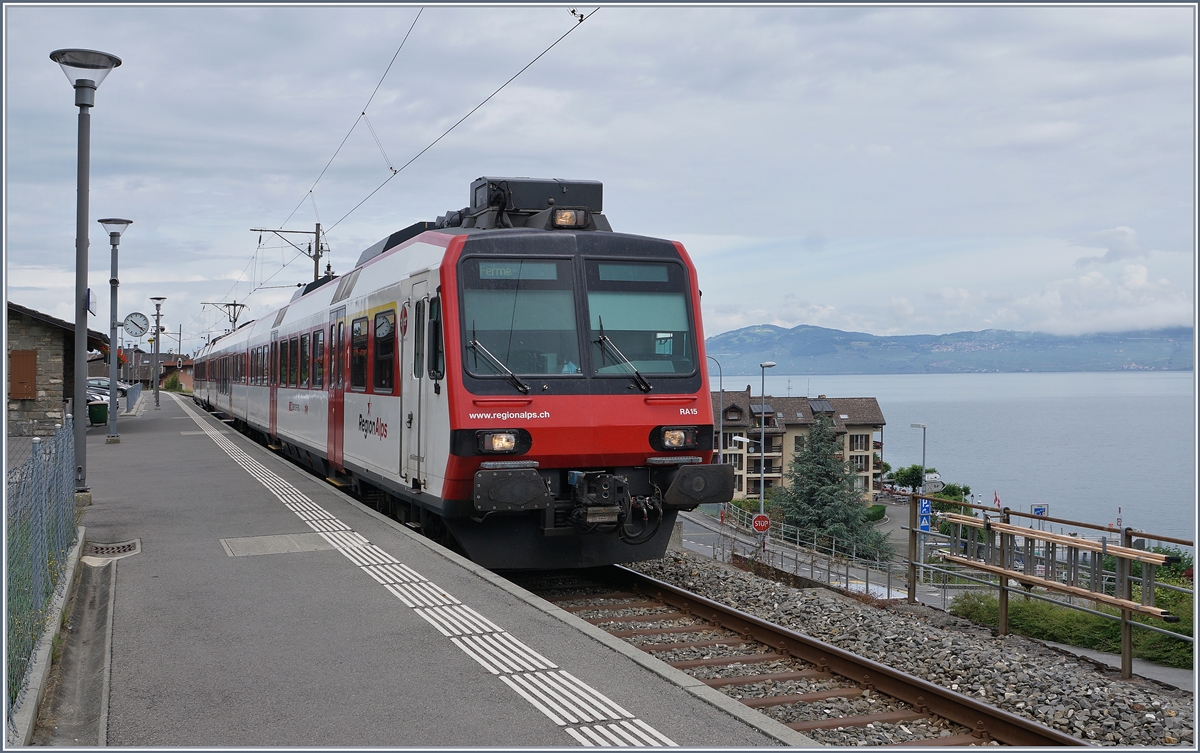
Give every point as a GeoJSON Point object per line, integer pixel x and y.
{"type": "Point", "coordinates": [42, 527]}
{"type": "Point", "coordinates": [131, 397]}
{"type": "Point", "coordinates": [817, 557]}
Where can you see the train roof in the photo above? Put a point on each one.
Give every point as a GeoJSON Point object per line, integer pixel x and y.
{"type": "Point", "coordinates": [510, 203]}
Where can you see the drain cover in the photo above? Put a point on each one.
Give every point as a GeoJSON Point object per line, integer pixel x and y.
{"type": "Point", "coordinates": [112, 550]}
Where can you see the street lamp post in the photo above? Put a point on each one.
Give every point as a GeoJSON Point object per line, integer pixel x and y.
{"type": "Point", "coordinates": [922, 428]}
{"type": "Point", "coordinates": [85, 69]}
{"type": "Point", "coordinates": [114, 227]}
{"type": "Point", "coordinates": [721, 415]}
{"type": "Point", "coordinates": [913, 517]}
{"type": "Point", "coordinates": [157, 336]}
{"type": "Point", "coordinates": [762, 449]}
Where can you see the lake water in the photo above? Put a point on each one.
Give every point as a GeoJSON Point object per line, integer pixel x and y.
{"type": "Point", "coordinates": [1094, 446]}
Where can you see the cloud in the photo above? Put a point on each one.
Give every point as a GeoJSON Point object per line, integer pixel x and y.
{"type": "Point", "coordinates": [1121, 242]}
{"type": "Point", "coordinates": [1095, 302]}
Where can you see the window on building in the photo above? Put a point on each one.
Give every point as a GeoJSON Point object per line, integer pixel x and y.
{"type": "Point", "coordinates": [860, 442]}
{"type": "Point", "coordinates": [737, 481]}
{"type": "Point", "coordinates": [385, 350]}
{"type": "Point", "coordinates": [860, 483]}
{"type": "Point", "coordinates": [358, 354]}
{"type": "Point", "coordinates": [798, 443]}
{"type": "Point", "coordinates": [22, 375]}
{"type": "Point", "coordinates": [861, 462]}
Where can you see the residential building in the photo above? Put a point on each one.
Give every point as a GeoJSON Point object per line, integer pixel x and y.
{"type": "Point", "coordinates": [785, 422]}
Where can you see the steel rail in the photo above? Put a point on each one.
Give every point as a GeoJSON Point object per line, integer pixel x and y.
{"type": "Point", "coordinates": [983, 719]}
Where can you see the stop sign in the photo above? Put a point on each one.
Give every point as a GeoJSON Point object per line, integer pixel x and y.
{"type": "Point", "coordinates": [761, 523]}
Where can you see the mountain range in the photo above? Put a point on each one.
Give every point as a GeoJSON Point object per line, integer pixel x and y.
{"type": "Point", "coordinates": [818, 350]}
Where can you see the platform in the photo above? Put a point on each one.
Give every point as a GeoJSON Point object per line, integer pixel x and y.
{"type": "Point", "coordinates": [265, 607]}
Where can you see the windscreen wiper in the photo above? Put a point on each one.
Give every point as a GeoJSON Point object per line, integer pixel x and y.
{"type": "Point", "coordinates": [512, 378]}
{"type": "Point", "coordinates": [636, 376]}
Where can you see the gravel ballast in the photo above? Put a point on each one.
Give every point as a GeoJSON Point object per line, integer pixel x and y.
{"type": "Point", "coordinates": [1013, 673]}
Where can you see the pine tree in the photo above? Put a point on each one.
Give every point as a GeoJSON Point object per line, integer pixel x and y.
{"type": "Point", "coordinates": [820, 496]}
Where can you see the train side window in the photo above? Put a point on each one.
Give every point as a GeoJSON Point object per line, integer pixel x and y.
{"type": "Point", "coordinates": [339, 354]}
{"type": "Point", "coordinates": [293, 360]}
{"type": "Point", "coordinates": [304, 360]}
{"type": "Point", "coordinates": [281, 364]}
{"type": "Point", "coordinates": [419, 339]}
{"type": "Point", "coordinates": [358, 354]}
{"type": "Point", "coordinates": [272, 363]}
{"type": "Point", "coordinates": [385, 350]}
{"type": "Point", "coordinates": [437, 358]}
{"type": "Point", "coordinates": [318, 359]}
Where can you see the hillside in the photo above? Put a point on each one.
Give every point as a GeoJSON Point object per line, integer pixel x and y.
{"type": "Point", "coordinates": [817, 350]}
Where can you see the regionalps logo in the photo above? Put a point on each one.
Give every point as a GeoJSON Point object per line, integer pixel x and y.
{"type": "Point", "coordinates": [369, 426]}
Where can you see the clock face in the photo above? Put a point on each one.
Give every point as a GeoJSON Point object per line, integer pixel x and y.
{"type": "Point", "coordinates": [136, 324]}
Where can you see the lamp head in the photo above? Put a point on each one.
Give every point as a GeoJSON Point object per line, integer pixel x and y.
{"type": "Point", "coordinates": [85, 65]}
{"type": "Point", "coordinates": [115, 226]}
{"type": "Point", "coordinates": [918, 426]}
{"type": "Point", "coordinates": [767, 365]}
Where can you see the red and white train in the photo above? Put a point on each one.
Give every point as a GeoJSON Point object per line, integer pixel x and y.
{"type": "Point", "coordinates": [515, 379]}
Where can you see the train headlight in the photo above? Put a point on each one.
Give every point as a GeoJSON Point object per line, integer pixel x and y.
{"type": "Point", "coordinates": [569, 218]}
{"type": "Point", "coordinates": [497, 441]}
{"type": "Point", "coordinates": [680, 437]}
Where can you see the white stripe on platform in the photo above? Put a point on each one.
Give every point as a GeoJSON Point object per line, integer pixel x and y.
{"type": "Point", "coordinates": [580, 738]}
{"type": "Point", "coordinates": [560, 696]}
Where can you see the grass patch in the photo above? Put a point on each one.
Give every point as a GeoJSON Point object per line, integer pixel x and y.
{"type": "Point", "coordinates": [1034, 618]}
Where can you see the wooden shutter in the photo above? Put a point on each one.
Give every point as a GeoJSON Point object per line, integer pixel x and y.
{"type": "Point", "coordinates": [22, 375]}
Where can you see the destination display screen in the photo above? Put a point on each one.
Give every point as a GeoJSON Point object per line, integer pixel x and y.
{"type": "Point", "coordinates": [518, 269]}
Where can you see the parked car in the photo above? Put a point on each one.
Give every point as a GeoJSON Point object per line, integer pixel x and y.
{"type": "Point", "coordinates": [96, 395]}
{"type": "Point", "coordinates": [102, 383]}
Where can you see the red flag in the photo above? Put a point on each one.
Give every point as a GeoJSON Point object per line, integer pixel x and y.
{"type": "Point", "coordinates": [997, 498]}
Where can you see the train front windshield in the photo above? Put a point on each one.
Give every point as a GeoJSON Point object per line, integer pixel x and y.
{"type": "Point", "coordinates": [523, 315]}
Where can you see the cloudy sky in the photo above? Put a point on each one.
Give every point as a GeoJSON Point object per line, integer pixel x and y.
{"type": "Point", "coordinates": [894, 170]}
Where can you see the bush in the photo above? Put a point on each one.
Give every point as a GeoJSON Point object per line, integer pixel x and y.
{"type": "Point", "coordinates": [172, 383]}
{"type": "Point", "coordinates": [875, 513]}
{"type": "Point", "coordinates": [1034, 618]}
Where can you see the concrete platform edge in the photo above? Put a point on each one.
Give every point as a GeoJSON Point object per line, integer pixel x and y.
{"type": "Point", "coordinates": [25, 714]}
{"type": "Point", "coordinates": [748, 716]}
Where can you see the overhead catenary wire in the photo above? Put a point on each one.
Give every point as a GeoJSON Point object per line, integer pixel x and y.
{"type": "Point", "coordinates": [580, 19]}
{"type": "Point", "coordinates": [362, 114]}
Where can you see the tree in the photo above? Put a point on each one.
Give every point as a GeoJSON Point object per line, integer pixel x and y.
{"type": "Point", "coordinates": [820, 496]}
{"type": "Point", "coordinates": [911, 476]}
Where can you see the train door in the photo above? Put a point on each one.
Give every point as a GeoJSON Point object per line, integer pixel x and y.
{"type": "Point", "coordinates": [337, 386]}
{"type": "Point", "coordinates": [273, 381]}
{"type": "Point", "coordinates": [413, 396]}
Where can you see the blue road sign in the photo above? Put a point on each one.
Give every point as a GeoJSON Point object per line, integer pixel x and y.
{"type": "Point", "coordinates": [925, 511]}
{"type": "Point", "coordinates": [1042, 510]}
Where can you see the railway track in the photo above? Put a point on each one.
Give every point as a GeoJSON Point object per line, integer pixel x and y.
{"type": "Point", "coordinates": [822, 691]}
